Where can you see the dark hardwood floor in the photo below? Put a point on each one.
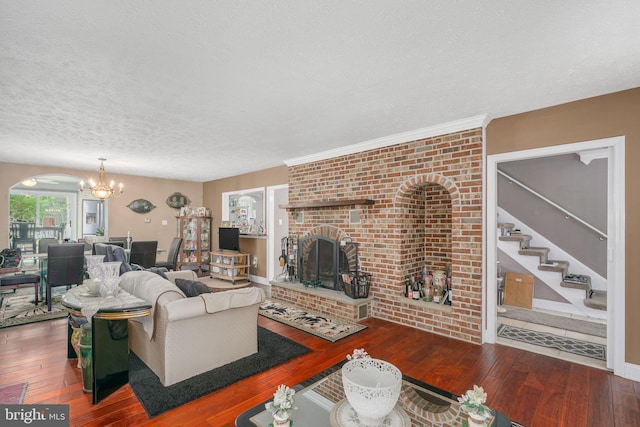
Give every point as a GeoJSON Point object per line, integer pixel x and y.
{"type": "Point", "coordinates": [531, 389]}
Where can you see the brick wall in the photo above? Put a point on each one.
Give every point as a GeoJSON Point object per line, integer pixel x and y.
{"type": "Point", "coordinates": [427, 211]}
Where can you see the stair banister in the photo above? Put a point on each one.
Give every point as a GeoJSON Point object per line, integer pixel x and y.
{"type": "Point", "coordinates": [566, 212]}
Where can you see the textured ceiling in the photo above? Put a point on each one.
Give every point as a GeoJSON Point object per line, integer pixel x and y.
{"type": "Point", "coordinates": [199, 90]}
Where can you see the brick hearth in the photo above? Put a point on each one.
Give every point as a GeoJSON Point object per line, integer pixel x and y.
{"type": "Point", "coordinates": [321, 300]}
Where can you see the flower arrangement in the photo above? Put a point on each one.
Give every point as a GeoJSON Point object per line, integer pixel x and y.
{"type": "Point", "coordinates": [473, 401]}
{"type": "Point", "coordinates": [358, 353]}
{"type": "Point", "coordinates": [283, 402]}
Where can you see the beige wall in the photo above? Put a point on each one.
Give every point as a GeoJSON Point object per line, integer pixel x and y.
{"type": "Point", "coordinates": [212, 198]}
{"type": "Point", "coordinates": [121, 219]}
{"type": "Point", "coordinates": [616, 114]}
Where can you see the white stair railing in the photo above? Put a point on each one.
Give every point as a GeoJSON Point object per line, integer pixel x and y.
{"type": "Point", "coordinates": [555, 205]}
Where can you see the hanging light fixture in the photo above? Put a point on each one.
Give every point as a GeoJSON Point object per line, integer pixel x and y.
{"type": "Point", "coordinates": [101, 189]}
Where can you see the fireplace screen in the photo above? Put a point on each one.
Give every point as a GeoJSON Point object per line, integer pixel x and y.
{"type": "Point", "coordinates": [320, 261]}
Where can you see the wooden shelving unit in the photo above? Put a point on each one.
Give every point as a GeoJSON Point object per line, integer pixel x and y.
{"type": "Point", "coordinates": [231, 266]}
{"type": "Point", "coordinates": [196, 234]}
{"type": "Point", "coordinates": [328, 204]}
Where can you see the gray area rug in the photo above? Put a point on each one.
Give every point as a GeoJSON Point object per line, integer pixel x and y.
{"type": "Point", "coordinates": [273, 350]}
{"type": "Point", "coordinates": [330, 329]}
{"type": "Point", "coordinates": [575, 325]}
{"type": "Point", "coordinates": [19, 308]}
{"type": "Point", "coordinates": [543, 339]}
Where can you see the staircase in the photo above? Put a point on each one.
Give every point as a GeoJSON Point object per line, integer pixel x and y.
{"type": "Point", "coordinates": [593, 299]}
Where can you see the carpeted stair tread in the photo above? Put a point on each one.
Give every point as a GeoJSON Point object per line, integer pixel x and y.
{"type": "Point", "coordinates": [576, 281]}
{"type": "Point", "coordinates": [598, 300]}
{"type": "Point", "coordinates": [516, 237]}
{"type": "Point", "coordinates": [506, 226]}
{"type": "Point", "coordinates": [573, 281]}
{"type": "Point", "coordinates": [539, 252]}
{"type": "Point", "coordinates": [555, 265]}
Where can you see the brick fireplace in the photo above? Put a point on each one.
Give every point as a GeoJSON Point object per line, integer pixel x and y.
{"type": "Point", "coordinates": [323, 254]}
{"type": "Point", "coordinates": [425, 210]}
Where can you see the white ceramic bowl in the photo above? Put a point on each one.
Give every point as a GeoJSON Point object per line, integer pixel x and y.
{"type": "Point", "coordinates": [372, 387]}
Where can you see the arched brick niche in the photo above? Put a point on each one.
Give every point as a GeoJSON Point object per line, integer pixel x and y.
{"type": "Point", "coordinates": [417, 186]}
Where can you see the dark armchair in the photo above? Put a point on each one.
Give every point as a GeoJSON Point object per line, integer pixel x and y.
{"type": "Point", "coordinates": [65, 267]}
{"type": "Point", "coordinates": [172, 255]}
{"type": "Point", "coordinates": [144, 253]}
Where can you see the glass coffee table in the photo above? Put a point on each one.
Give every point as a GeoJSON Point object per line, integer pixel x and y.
{"type": "Point", "coordinates": [320, 397]}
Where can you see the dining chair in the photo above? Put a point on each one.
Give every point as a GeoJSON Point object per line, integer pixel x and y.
{"type": "Point", "coordinates": [24, 236]}
{"type": "Point", "coordinates": [172, 255]}
{"type": "Point", "coordinates": [43, 244]}
{"type": "Point", "coordinates": [87, 246]}
{"type": "Point", "coordinates": [116, 253]}
{"type": "Point", "coordinates": [99, 249]}
{"type": "Point", "coordinates": [16, 280]}
{"type": "Point", "coordinates": [143, 253]}
{"type": "Point", "coordinates": [119, 241]}
{"type": "Point", "coordinates": [65, 267]}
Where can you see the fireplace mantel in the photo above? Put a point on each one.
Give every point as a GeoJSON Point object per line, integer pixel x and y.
{"type": "Point", "coordinates": [328, 204]}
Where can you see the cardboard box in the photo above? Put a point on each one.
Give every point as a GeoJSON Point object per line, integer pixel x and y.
{"type": "Point", "coordinates": [518, 290]}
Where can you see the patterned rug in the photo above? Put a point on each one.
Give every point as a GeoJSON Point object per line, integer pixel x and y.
{"type": "Point", "coordinates": [543, 339]}
{"type": "Point", "coordinates": [13, 394]}
{"type": "Point", "coordinates": [331, 329]}
{"type": "Point", "coordinates": [19, 308]}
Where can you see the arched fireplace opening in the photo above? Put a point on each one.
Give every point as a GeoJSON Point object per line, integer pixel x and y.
{"type": "Point", "coordinates": [322, 259]}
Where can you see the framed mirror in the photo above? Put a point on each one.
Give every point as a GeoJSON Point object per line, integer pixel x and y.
{"type": "Point", "coordinates": [245, 209]}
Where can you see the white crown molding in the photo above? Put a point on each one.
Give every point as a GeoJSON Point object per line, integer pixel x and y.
{"type": "Point", "coordinates": [414, 135]}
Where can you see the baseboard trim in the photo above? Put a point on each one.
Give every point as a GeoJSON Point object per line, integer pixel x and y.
{"type": "Point", "coordinates": [631, 372]}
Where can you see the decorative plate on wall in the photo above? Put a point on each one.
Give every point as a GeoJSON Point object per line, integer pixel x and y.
{"type": "Point", "coordinates": [141, 206]}
{"type": "Point", "coordinates": [177, 200]}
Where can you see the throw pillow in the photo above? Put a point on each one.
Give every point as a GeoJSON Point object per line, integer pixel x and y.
{"type": "Point", "coordinates": [192, 288]}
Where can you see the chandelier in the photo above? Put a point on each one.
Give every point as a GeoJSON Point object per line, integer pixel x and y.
{"type": "Point", "coordinates": [101, 189]}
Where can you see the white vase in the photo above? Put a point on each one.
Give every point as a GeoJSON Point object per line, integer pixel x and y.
{"type": "Point", "coordinates": [281, 420]}
{"type": "Point", "coordinates": [476, 420]}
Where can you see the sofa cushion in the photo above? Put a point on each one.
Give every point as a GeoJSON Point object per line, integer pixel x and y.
{"type": "Point", "coordinates": [192, 288]}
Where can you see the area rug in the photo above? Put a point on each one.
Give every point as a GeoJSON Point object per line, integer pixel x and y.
{"type": "Point", "coordinates": [273, 350]}
{"type": "Point", "coordinates": [19, 308]}
{"type": "Point", "coordinates": [331, 329]}
{"type": "Point", "coordinates": [531, 316]}
{"type": "Point", "coordinates": [543, 339]}
{"type": "Point", "coordinates": [13, 394]}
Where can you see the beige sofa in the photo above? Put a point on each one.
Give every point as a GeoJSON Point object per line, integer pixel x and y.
{"type": "Point", "coordinates": [184, 336]}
